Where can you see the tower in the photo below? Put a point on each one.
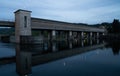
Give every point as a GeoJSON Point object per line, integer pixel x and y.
{"type": "Point", "coordinates": [22, 25]}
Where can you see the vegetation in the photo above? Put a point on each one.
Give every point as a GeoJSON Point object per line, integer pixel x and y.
{"type": "Point", "coordinates": [112, 28]}
{"type": "Point", "coordinates": [7, 31]}
{"type": "Point", "coordinates": [116, 27]}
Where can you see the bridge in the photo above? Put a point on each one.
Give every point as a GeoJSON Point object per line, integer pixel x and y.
{"type": "Point", "coordinates": [24, 24]}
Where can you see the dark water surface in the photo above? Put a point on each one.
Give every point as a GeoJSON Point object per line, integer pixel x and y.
{"type": "Point", "coordinates": [64, 58]}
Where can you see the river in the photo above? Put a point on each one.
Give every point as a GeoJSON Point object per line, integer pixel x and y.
{"type": "Point", "coordinates": [63, 58]}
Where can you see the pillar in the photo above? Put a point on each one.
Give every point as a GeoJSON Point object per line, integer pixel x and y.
{"type": "Point", "coordinates": [91, 34]}
{"type": "Point", "coordinates": [82, 35]}
{"type": "Point", "coordinates": [70, 35]}
{"type": "Point", "coordinates": [97, 34]}
{"type": "Point", "coordinates": [53, 34]}
{"type": "Point", "coordinates": [22, 24]}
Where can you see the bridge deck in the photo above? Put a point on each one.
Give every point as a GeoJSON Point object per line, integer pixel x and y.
{"type": "Point", "coordinates": [37, 23]}
{"type": "Point", "coordinates": [57, 25]}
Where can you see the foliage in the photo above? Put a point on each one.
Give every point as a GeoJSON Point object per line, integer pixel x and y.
{"type": "Point", "coordinates": [7, 31]}
{"type": "Point", "coordinates": [116, 26]}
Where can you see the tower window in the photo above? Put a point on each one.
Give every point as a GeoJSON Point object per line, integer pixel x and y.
{"type": "Point", "coordinates": [25, 21]}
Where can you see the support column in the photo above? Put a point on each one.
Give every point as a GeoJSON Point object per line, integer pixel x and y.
{"type": "Point", "coordinates": [70, 35]}
{"type": "Point", "coordinates": [82, 35]}
{"type": "Point", "coordinates": [91, 35]}
{"type": "Point", "coordinates": [22, 26]}
{"type": "Point", "coordinates": [97, 35]}
{"type": "Point", "coordinates": [53, 35]}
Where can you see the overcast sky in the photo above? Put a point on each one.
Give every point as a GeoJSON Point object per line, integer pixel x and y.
{"type": "Point", "coordinates": [75, 11]}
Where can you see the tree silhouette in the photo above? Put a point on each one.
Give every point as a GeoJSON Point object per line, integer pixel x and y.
{"type": "Point", "coordinates": [116, 26]}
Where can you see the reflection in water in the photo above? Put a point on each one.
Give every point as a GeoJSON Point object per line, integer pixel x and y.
{"type": "Point", "coordinates": [98, 41]}
{"type": "Point", "coordinates": [23, 61]}
{"type": "Point", "coordinates": [31, 55]}
{"type": "Point", "coordinates": [115, 45]}
{"type": "Point", "coordinates": [70, 45]}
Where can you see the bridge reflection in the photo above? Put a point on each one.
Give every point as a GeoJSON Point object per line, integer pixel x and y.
{"type": "Point", "coordinates": [28, 56]}
{"type": "Point", "coordinates": [32, 55]}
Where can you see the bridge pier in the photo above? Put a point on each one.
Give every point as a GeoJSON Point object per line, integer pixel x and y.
{"type": "Point", "coordinates": [91, 35]}
{"type": "Point", "coordinates": [70, 35]}
{"type": "Point", "coordinates": [53, 34]}
{"type": "Point", "coordinates": [82, 35]}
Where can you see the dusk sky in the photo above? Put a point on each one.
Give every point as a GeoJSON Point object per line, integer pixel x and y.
{"type": "Point", "coordinates": [74, 11]}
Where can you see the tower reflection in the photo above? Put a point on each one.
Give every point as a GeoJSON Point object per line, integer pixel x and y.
{"type": "Point", "coordinates": [23, 60]}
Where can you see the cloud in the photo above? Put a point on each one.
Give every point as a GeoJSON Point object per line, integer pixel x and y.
{"type": "Point", "coordinates": [86, 11]}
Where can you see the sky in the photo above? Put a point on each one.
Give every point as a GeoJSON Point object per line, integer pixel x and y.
{"type": "Point", "coordinates": [73, 11]}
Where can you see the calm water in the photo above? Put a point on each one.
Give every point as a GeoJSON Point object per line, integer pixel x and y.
{"type": "Point", "coordinates": [65, 58]}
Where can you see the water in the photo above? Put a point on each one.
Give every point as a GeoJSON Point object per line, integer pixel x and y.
{"type": "Point", "coordinates": [65, 58]}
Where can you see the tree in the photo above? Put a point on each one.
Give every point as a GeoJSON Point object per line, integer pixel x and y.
{"type": "Point", "coordinates": [116, 26]}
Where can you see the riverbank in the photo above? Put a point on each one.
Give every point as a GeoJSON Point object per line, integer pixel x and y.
{"type": "Point", "coordinates": [111, 37]}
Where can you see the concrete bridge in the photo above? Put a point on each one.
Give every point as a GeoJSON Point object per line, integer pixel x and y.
{"type": "Point", "coordinates": [24, 24]}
